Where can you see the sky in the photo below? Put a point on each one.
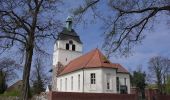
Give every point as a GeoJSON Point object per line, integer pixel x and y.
{"type": "Point", "coordinates": [156, 43]}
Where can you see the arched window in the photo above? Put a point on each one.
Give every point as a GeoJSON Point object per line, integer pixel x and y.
{"type": "Point", "coordinates": [73, 47]}
{"type": "Point", "coordinates": [67, 46]}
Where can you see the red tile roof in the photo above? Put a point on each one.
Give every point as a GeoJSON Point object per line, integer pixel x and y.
{"type": "Point", "coordinates": [93, 59]}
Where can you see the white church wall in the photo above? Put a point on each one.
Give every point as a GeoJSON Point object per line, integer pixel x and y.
{"type": "Point", "coordinates": [112, 80]}
{"type": "Point", "coordinates": [122, 77]}
{"type": "Point", "coordinates": [62, 45]}
{"type": "Point", "coordinates": [97, 87]}
{"type": "Point", "coordinates": [72, 86]}
{"type": "Point", "coordinates": [88, 87]}
{"type": "Point", "coordinates": [100, 85]}
{"type": "Point", "coordinates": [65, 56]}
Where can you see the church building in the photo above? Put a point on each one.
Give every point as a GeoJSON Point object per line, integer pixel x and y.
{"type": "Point", "coordinates": [91, 72]}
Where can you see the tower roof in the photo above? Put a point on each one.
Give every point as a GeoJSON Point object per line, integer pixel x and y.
{"type": "Point", "coordinates": [68, 32]}
{"type": "Point", "coordinates": [65, 35]}
{"type": "Point", "coordinates": [93, 59]}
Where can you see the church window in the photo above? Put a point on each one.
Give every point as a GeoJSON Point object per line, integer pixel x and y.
{"type": "Point", "coordinates": [117, 83]}
{"type": "Point", "coordinates": [60, 84]}
{"type": "Point", "coordinates": [108, 81]}
{"type": "Point", "coordinates": [71, 82]}
{"type": "Point", "coordinates": [66, 84]}
{"type": "Point", "coordinates": [125, 80]}
{"type": "Point", "coordinates": [67, 46]}
{"type": "Point", "coordinates": [92, 78]}
{"type": "Point", "coordinates": [79, 82]}
{"type": "Point", "coordinates": [73, 47]}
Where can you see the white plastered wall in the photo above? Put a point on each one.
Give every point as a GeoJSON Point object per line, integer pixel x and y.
{"type": "Point", "coordinates": [122, 76]}
{"type": "Point", "coordinates": [99, 87]}
{"type": "Point", "coordinates": [65, 56]}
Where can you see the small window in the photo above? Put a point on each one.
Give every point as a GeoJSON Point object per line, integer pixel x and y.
{"type": "Point", "coordinates": [60, 84]}
{"type": "Point", "coordinates": [73, 47]}
{"type": "Point", "coordinates": [70, 42]}
{"type": "Point", "coordinates": [66, 84]}
{"type": "Point", "coordinates": [117, 84]}
{"type": "Point", "coordinates": [79, 82]}
{"type": "Point", "coordinates": [93, 78]}
{"type": "Point", "coordinates": [125, 80]}
{"type": "Point", "coordinates": [108, 81]}
{"type": "Point", "coordinates": [71, 82]}
{"type": "Point", "coordinates": [67, 46]}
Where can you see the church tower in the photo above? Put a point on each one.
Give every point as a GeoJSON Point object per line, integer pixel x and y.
{"type": "Point", "coordinates": [68, 46]}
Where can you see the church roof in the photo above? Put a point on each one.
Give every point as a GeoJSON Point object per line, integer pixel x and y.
{"type": "Point", "coordinates": [93, 59]}
{"type": "Point", "coordinates": [65, 34]}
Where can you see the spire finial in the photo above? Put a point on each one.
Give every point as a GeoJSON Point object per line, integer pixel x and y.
{"type": "Point", "coordinates": [69, 23]}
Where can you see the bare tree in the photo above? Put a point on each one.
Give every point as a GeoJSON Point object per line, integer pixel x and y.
{"type": "Point", "coordinates": [39, 76]}
{"type": "Point", "coordinates": [8, 68]}
{"type": "Point", "coordinates": [159, 67]}
{"type": "Point", "coordinates": [123, 20]}
{"type": "Point", "coordinates": [25, 24]}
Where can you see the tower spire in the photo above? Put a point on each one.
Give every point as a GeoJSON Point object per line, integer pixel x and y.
{"type": "Point", "coordinates": [69, 23]}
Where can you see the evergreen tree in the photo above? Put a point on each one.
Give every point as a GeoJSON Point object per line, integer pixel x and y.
{"type": "Point", "coordinates": [38, 78]}
{"type": "Point", "coordinates": [138, 80]}
{"type": "Point", "coordinates": [38, 86]}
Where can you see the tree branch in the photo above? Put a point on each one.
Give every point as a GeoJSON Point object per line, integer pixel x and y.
{"type": "Point", "coordinates": [13, 38]}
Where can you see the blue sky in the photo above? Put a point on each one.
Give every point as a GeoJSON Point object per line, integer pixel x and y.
{"type": "Point", "coordinates": [157, 41]}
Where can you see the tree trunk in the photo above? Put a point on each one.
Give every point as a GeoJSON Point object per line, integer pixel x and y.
{"type": "Point", "coordinates": [26, 73]}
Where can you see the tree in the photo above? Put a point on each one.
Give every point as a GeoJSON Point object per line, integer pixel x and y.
{"type": "Point", "coordinates": [39, 76]}
{"type": "Point", "coordinates": [168, 85]}
{"type": "Point", "coordinates": [8, 69]}
{"type": "Point", "coordinates": [138, 80]}
{"type": "Point", "coordinates": [159, 67]}
{"type": "Point", "coordinates": [3, 84]}
{"type": "Point", "coordinates": [25, 24]}
{"type": "Point", "coordinates": [123, 20]}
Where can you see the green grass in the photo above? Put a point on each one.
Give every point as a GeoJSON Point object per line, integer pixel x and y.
{"type": "Point", "coordinates": [11, 93]}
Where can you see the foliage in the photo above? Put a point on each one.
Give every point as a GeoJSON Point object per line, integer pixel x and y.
{"type": "Point", "coordinates": [12, 93]}
{"type": "Point", "coordinates": [138, 80]}
{"type": "Point", "coordinates": [38, 86]}
{"type": "Point", "coordinates": [123, 21]}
